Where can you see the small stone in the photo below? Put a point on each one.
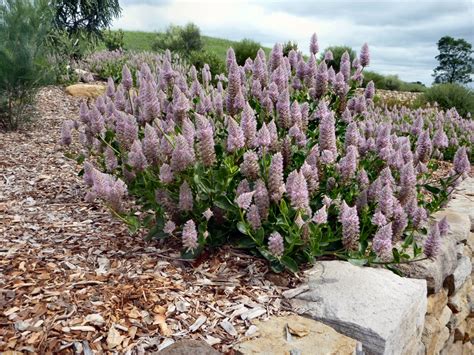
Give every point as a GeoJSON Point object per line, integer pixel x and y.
{"type": "Point", "coordinates": [85, 90]}
{"type": "Point", "coordinates": [94, 319]}
{"type": "Point", "coordinates": [318, 338]}
{"type": "Point", "coordinates": [114, 338]}
{"type": "Point", "coordinates": [189, 347]}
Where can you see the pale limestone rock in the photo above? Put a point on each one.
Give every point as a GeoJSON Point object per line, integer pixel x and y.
{"type": "Point", "coordinates": [459, 300]}
{"type": "Point", "coordinates": [281, 335]}
{"type": "Point", "coordinates": [434, 271]}
{"type": "Point", "coordinates": [383, 311]}
{"type": "Point", "coordinates": [459, 223]}
{"type": "Point", "coordinates": [460, 275]}
{"type": "Point", "coordinates": [85, 90]}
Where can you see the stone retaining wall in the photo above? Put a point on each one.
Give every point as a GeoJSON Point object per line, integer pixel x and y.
{"type": "Point", "coordinates": [449, 322]}
{"type": "Point", "coordinates": [429, 312]}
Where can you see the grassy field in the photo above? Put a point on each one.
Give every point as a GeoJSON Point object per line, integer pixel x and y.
{"type": "Point", "coordinates": [142, 41]}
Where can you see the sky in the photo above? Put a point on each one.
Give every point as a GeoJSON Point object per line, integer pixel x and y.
{"type": "Point", "coordinates": [402, 34]}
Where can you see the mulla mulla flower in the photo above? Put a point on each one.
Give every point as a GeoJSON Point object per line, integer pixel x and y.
{"type": "Point", "coordinates": [189, 235]}
{"type": "Point", "coordinates": [350, 226]}
{"type": "Point", "coordinates": [275, 244]}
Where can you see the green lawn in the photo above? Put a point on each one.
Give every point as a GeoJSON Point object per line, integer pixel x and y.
{"type": "Point", "coordinates": [142, 41]}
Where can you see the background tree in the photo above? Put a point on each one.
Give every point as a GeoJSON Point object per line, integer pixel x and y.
{"type": "Point", "coordinates": [455, 61]}
{"type": "Point", "coordinates": [337, 52]}
{"type": "Point", "coordinates": [85, 16]}
{"type": "Point", "coordinates": [288, 46]}
{"type": "Point", "coordinates": [183, 40]}
{"type": "Point", "coordinates": [246, 48]}
{"type": "Point", "coordinates": [24, 25]}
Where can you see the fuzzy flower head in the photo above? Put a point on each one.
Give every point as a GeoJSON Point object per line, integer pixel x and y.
{"type": "Point", "coordinates": [313, 44]}
{"type": "Point", "coordinates": [189, 236]}
{"type": "Point", "coordinates": [169, 227]}
{"type": "Point", "coordinates": [276, 185]}
{"type": "Point", "coordinates": [379, 219]}
{"type": "Point", "coordinates": [350, 226]}
{"type": "Point", "coordinates": [382, 243]}
{"type": "Point", "coordinates": [297, 190]}
{"type": "Point", "coordinates": [275, 244]}
{"type": "Point", "coordinates": [236, 138]}
{"type": "Point", "coordinates": [433, 242]}
{"type": "Point", "coordinates": [443, 226]}
{"type": "Point", "coordinates": [208, 214]}
{"type": "Point", "coordinates": [136, 158]}
{"type": "Point", "coordinates": [321, 216]}
{"type": "Point", "coordinates": [364, 58]}
{"type": "Point", "coordinates": [244, 200]}
{"type": "Point", "coordinates": [461, 161]}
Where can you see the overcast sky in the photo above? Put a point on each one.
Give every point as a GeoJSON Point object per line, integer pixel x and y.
{"type": "Point", "coordinates": [401, 34]}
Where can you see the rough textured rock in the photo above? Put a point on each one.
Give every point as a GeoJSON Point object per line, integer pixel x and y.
{"type": "Point", "coordinates": [462, 199]}
{"type": "Point", "coordinates": [435, 333]}
{"type": "Point", "coordinates": [434, 271]}
{"type": "Point", "coordinates": [189, 347]}
{"type": "Point", "coordinates": [459, 300]}
{"type": "Point", "coordinates": [460, 275]}
{"type": "Point", "coordinates": [85, 90]}
{"type": "Point", "coordinates": [436, 302]}
{"type": "Point", "coordinates": [380, 309]}
{"type": "Point", "coordinates": [459, 223]}
{"type": "Point", "coordinates": [281, 335]}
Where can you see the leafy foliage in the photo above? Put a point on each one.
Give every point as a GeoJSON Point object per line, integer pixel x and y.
{"type": "Point", "coordinates": [456, 64]}
{"type": "Point", "coordinates": [181, 40]}
{"type": "Point", "coordinates": [244, 49]}
{"type": "Point", "coordinates": [337, 52]}
{"type": "Point", "coordinates": [23, 31]}
{"type": "Point", "coordinates": [288, 46]}
{"type": "Point", "coordinates": [113, 40]}
{"type": "Point", "coordinates": [200, 58]}
{"type": "Point", "coordinates": [268, 159]}
{"type": "Point", "coordinates": [450, 96]}
{"type": "Point", "coordinates": [391, 82]}
{"type": "Point", "coordinates": [88, 17]}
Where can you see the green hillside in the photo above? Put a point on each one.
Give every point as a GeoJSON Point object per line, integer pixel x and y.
{"type": "Point", "coordinates": [142, 41]}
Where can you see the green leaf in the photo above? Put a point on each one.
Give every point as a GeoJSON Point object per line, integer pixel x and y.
{"type": "Point", "coordinates": [433, 189]}
{"type": "Point", "coordinates": [242, 227]}
{"type": "Point", "coordinates": [289, 263]}
{"type": "Point", "coordinates": [396, 255]}
{"type": "Point", "coordinates": [133, 224]}
{"type": "Point", "coordinates": [283, 207]}
{"type": "Point", "coordinates": [358, 262]}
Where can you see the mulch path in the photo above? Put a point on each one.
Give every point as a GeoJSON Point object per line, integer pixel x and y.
{"type": "Point", "coordinates": [73, 281]}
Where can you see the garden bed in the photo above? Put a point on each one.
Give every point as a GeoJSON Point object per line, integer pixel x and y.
{"type": "Point", "coordinates": [72, 278]}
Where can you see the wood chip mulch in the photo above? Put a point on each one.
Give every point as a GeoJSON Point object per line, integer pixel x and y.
{"type": "Point", "coordinates": [73, 281]}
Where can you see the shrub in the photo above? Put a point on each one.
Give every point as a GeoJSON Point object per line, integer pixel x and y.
{"type": "Point", "coordinates": [448, 96]}
{"type": "Point", "coordinates": [337, 52]}
{"type": "Point", "coordinates": [183, 40]}
{"type": "Point", "coordinates": [269, 160]}
{"type": "Point", "coordinates": [244, 49]}
{"type": "Point", "coordinates": [113, 40]}
{"type": "Point", "coordinates": [23, 30]}
{"type": "Point", "coordinates": [391, 82]}
{"type": "Point", "coordinates": [288, 46]}
{"type": "Point", "coordinates": [199, 59]}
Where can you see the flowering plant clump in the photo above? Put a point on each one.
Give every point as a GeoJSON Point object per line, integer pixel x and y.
{"type": "Point", "coordinates": [108, 64]}
{"type": "Point", "coordinates": [280, 156]}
